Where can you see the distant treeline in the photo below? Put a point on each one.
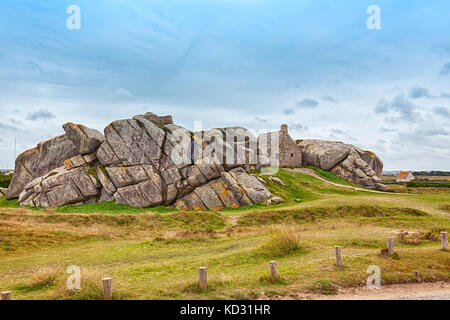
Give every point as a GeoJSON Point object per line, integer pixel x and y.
{"type": "Point", "coordinates": [420, 184]}
{"type": "Point", "coordinates": [431, 173]}
{"type": "Point", "coordinates": [5, 180]}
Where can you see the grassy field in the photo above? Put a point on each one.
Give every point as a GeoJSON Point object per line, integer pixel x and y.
{"type": "Point", "coordinates": [155, 253]}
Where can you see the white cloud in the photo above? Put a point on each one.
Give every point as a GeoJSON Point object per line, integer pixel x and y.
{"type": "Point", "coordinates": [122, 93]}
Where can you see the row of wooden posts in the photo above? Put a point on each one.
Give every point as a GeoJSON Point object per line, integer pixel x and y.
{"type": "Point", "coordinates": [202, 275]}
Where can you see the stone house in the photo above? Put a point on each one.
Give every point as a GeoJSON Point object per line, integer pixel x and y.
{"type": "Point", "coordinates": [283, 152]}
{"type": "Point", "coordinates": [405, 176]}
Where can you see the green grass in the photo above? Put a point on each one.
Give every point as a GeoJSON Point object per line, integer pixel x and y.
{"type": "Point", "coordinates": [320, 213]}
{"type": "Point", "coordinates": [331, 177]}
{"type": "Point", "coordinates": [103, 207]}
{"type": "Point", "coordinates": [281, 242]}
{"type": "Point", "coordinates": [325, 287]}
{"type": "Point", "coordinates": [109, 207]}
{"type": "Point", "coordinates": [302, 188]}
{"type": "Point", "coordinates": [93, 172]}
{"type": "Point", "coordinates": [165, 267]}
{"type": "Point", "coordinates": [9, 203]}
{"type": "Point", "coordinates": [155, 253]}
{"type": "Point", "coordinates": [43, 278]}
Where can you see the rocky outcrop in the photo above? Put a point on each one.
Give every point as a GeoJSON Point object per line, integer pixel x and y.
{"type": "Point", "coordinates": [344, 160]}
{"type": "Point", "coordinates": [36, 162]}
{"type": "Point", "coordinates": [232, 190]}
{"type": "Point", "coordinates": [62, 186]}
{"type": "Point", "coordinates": [148, 161]}
{"type": "Point", "coordinates": [86, 140]}
{"type": "Point", "coordinates": [158, 120]}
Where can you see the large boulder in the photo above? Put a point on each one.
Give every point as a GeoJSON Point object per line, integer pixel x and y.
{"type": "Point", "coordinates": [148, 161]}
{"type": "Point", "coordinates": [234, 189]}
{"type": "Point", "coordinates": [158, 120]}
{"type": "Point", "coordinates": [62, 186]}
{"type": "Point", "coordinates": [85, 139]}
{"type": "Point", "coordinates": [36, 162]}
{"type": "Point", "coordinates": [344, 160]}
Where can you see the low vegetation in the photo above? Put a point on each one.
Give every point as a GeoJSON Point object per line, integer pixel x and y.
{"type": "Point", "coordinates": [42, 278]}
{"type": "Point", "coordinates": [331, 177]}
{"type": "Point", "coordinates": [432, 173]}
{"type": "Point", "coordinates": [5, 180]}
{"type": "Point", "coordinates": [155, 253]}
{"type": "Point", "coordinates": [281, 242]}
{"type": "Point", "coordinates": [421, 184]}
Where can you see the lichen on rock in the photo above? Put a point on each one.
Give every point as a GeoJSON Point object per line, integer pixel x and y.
{"type": "Point", "coordinates": [148, 161]}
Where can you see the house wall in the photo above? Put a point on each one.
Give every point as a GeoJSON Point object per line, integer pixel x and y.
{"type": "Point", "coordinates": [287, 153]}
{"type": "Point", "coordinates": [290, 154]}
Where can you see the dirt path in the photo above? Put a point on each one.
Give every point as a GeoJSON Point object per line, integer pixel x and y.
{"type": "Point", "coordinates": [312, 173]}
{"type": "Point", "coordinates": [413, 291]}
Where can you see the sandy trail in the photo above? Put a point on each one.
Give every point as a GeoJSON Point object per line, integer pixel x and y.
{"type": "Point", "coordinates": [412, 291]}
{"type": "Point", "coordinates": [312, 173]}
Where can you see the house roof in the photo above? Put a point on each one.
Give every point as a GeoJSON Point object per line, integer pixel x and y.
{"type": "Point", "coordinates": [403, 174]}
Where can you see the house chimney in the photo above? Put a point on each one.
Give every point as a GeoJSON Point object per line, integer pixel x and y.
{"type": "Point", "coordinates": [284, 128]}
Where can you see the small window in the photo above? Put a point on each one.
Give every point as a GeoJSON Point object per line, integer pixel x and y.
{"type": "Point", "coordinates": [292, 155]}
{"type": "Point", "coordinates": [277, 155]}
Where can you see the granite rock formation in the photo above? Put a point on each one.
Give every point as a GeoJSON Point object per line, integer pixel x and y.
{"type": "Point", "coordinates": [145, 161]}
{"type": "Point", "coordinates": [344, 160]}
{"type": "Point", "coordinates": [36, 162]}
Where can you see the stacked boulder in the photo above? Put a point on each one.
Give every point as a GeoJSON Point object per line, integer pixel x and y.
{"type": "Point", "coordinates": [36, 162]}
{"type": "Point", "coordinates": [72, 181]}
{"type": "Point", "coordinates": [145, 161]}
{"type": "Point", "coordinates": [345, 161]}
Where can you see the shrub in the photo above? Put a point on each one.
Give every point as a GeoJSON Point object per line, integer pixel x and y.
{"type": "Point", "coordinates": [416, 238]}
{"type": "Point", "coordinates": [44, 277]}
{"type": "Point", "coordinates": [408, 238]}
{"type": "Point", "coordinates": [281, 242]}
{"type": "Point", "coordinates": [5, 180]}
{"type": "Point", "coordinates": [419, 184]}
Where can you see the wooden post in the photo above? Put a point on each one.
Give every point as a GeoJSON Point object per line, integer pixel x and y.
{"type": "Point", "coordinates": [202, 278]}
{"type": "Point", "coordinates": [390, 246]}
{"type": "Point", "coordinates": [107, 288]}
{"type": "Point", "coordinates": [338, 251]}
{"type": "Point", "coordinates": [444, 240]}
{"type": "Point", "coordinates": [6, 295]}
{"type": "Point", "coordinates": [273, 269]}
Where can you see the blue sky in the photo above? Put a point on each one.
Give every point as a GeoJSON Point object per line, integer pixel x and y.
{"type": "Point", "coordinates": [311, 64]}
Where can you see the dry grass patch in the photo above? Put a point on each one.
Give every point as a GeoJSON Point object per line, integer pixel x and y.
{"type": "Point", "coordinates": [42, 278]}
{"type": "Point", "coordinates": [282, 241]}
{"type": "Point", "coordinates": [90, 289]}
